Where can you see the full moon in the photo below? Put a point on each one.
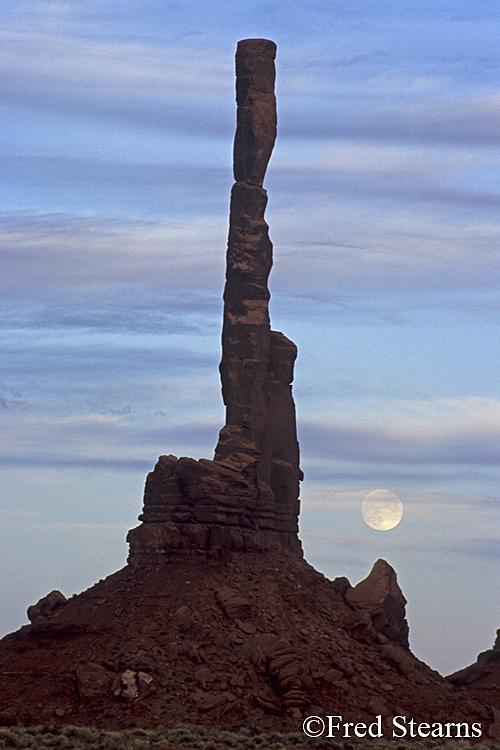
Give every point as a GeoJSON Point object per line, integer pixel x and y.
{"type": "Point", "coordinates": [382, 510]}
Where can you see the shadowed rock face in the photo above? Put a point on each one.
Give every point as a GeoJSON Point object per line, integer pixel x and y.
{"type": "Point", "coordinates": [46, 606]}
{"type": "Point", "coordinates": [247, 497]}
{"type": "Point", "coordinates": [380, 597]}
{"type": "Point", "coordinates": [484, 673]}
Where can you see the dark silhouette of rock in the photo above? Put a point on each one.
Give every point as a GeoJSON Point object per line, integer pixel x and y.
{"type": "Point", "coordinates": [380, 597]}
{"type": "Point", "coordinates": [46, 606]}
{"type": "Point", "coordinates": [482, 682]}
{"type": "Point", "coordinates": [247, 498]}
{"type": "Point", "coordinates": [485, 672]}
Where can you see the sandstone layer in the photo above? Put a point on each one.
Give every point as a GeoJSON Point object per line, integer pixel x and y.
{"type": "Point", "coordinates": [247, 497]}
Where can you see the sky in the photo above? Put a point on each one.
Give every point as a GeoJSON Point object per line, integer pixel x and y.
{"type": "Point", "coordinates": [116, 129]}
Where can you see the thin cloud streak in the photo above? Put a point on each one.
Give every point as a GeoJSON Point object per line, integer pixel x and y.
{"type": "Point", "coordinates": [56, 253]}
{"type": "Point", "coordinates": [467, 434]}
{"type": "Point", "coordinates": [130, 81]}
{"type": "Point", "coordinates": [442, 121]}
{"type": "Point", "coordinates": [41, 460]}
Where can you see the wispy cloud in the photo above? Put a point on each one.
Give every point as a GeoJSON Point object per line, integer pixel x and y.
{"type": "Point", "coordinates": [412, 116]}
{"type": "Point", "coordinates": [402, 248]}
{"type": "Point", "coordinates": [60, 255]}
{"type": "Point", "coordinates": [129, 441]}
{"type": "Point", "coordinates": [57, 70]}
{"type": "Point", "coordinates": [447, 545]}
{"type": "Point", "coordinates": [403, 171]}
{"type": "Point", "coordinates": [55, 253]}
{"type": "Point", "coordinates": [462, 431]}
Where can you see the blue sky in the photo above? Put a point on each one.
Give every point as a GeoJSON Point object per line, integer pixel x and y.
{"type": "Point", "coordinates": [116, 127]}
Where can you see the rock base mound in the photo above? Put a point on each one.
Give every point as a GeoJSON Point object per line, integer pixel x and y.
{"type": "Point", "coordinates": [253, 641]}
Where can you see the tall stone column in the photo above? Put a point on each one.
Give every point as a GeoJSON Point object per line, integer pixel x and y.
{"type": "Point", "coordinates": [246, 332]}
{"type": "Point", "coordinates": [247, 497]}
{"type": "Point", "coordinates": [257, 363]}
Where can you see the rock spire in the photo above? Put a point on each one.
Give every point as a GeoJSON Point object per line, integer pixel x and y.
{"type": "Point", "coordinates": [257, 363]}
{"type": "Point", "coordinates": [247, 497]}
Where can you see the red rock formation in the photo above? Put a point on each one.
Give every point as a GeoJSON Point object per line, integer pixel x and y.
{"type": "Point", "coordinates": [255, 641]}
{"type": "Point", "coordinates": [482, 682]}
{"type": "Point", "coordinates": [247, 498]}
{"type": "Point", "coordinates": [379, 597]}
{"type": "Point", "coordinates": [251, 640]}
{"type": "Point", "coordinates": [46, 606]}
{"type": "Point", "coordinates": [256, 116]}
{"type": "Point", "coordinates": [485, 672]}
